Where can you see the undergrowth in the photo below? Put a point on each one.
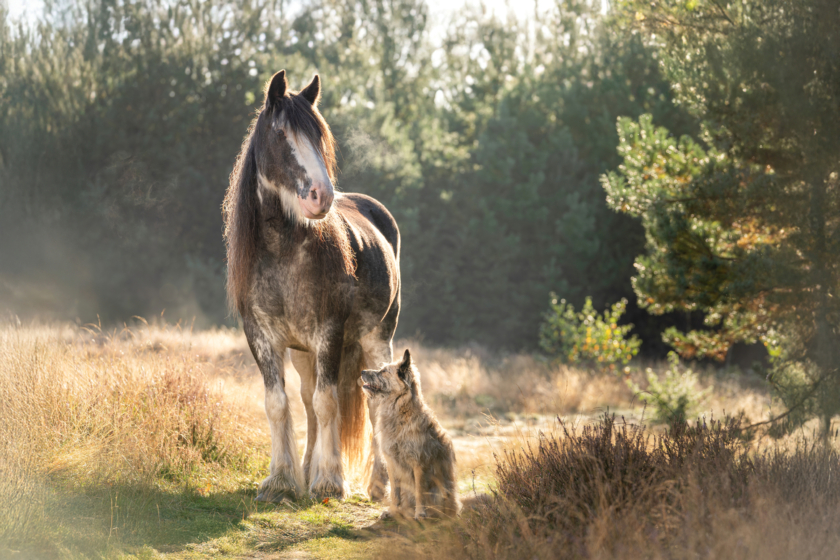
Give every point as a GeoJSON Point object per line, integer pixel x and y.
{"type": "Point", "coordinates": [151, 441]}
{"type": "Point", "coordinates": [614, 490]}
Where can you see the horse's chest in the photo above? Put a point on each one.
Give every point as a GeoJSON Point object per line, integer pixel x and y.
{"type": "Point", "coordinates": [299, 303]}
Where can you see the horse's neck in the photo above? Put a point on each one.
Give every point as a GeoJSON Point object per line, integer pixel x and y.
{"type": "Point", "coordinates": [283, 238]}
{"type": "Point", "coordinates": [276, 229]}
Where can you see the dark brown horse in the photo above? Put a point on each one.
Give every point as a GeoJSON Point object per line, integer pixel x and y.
{"type": "Point", "coordinates": [316, 272]}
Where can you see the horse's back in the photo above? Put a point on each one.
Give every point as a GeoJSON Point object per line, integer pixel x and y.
{"type": "Point", "coordinates": [374, 212]}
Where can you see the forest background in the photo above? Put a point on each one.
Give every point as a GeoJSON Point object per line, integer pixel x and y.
{"type": "Point", "coordinates": [681, 154]}
{"type": "Point", "coordinates": [120, 121]}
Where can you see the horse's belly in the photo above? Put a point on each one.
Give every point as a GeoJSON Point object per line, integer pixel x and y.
{"type": "Point", "coordinates": [359, 325]}
{"type": "Point", "coordinates": [299, 313]}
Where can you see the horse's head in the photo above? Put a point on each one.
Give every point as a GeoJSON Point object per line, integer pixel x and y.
{"type": "Point", "coordinates": [295, 150]}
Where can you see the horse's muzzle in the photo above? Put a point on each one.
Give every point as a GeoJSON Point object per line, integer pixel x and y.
{"type": "Point", "coordinates": [318, 201]}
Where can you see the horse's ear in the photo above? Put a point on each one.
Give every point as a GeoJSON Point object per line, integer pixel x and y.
{"type": "Point", "coordinates": [276, 88]}
{"type": "Point", "coordinates": [404, 370]}
{"type": "Point", "coordinates": [312, 92]}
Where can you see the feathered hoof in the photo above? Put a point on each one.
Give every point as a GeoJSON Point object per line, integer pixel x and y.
{"type": "Point", "coordinates": [276, 489]}
{"type": "Point", "coordinates": [326, 488]}
{"type": "Point", "coordinates": [274, 497]}
{"type": "Point", "coordinates": [376, 489]}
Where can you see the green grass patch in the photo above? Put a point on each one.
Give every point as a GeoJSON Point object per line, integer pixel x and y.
{"type": "Point", "coordinates": [209, 516]}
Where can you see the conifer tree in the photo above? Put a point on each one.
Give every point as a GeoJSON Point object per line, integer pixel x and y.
{"type": "Point", "coordinates": [744, 224]}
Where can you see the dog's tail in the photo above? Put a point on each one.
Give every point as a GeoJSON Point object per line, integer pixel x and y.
{"type": "Point", "coordinates": [352, 405]}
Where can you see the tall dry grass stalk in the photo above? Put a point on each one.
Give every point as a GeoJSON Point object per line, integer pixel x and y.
{"type": "Point", "coordinates": [83, 408]}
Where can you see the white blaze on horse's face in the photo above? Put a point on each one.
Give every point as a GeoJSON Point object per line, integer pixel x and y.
{"type": "Point", "coordinates": [309, 195]}
{"type": "Point", "coordinates": [315, 192]}
{"type": "Point", "coordinates": [288, 200]}
{"type": "Point", "coordinates": [289, 161]}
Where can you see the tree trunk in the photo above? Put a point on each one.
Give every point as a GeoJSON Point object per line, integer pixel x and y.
{"type": "Point", "coordinates": [827, 394]}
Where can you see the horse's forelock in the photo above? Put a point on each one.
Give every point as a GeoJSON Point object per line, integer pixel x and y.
{"type": "Point", "coordinates": [302, 118]}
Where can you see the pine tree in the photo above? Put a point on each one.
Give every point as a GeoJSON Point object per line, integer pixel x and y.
{"type": "Point", "coordinates": [745, 224]}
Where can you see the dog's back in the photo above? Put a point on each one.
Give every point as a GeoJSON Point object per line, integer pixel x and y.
{"type": "Point", "coordinates": [419, 453]}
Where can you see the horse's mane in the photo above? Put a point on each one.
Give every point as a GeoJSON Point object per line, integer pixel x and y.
{"type": "Point", "coordinates": [241, 205]}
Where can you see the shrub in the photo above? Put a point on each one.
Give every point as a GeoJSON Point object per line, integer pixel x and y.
{"type": "Point", "coordinates": [567, 481]}
{"type": "Point", "coordinates": [586, 336]}
{"type": "Point", "coordinates": [611, 490]}
{"type": "Point", "coordinates": [674, 397]}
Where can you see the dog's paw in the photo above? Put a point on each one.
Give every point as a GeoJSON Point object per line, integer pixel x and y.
{"type": "Point", "coordinates": [386, 515]}
{"type": "Point", "coordinates": [420, 515]}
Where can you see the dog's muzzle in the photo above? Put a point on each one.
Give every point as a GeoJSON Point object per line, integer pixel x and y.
{"type": "Point", "coordinates": [369, 385]}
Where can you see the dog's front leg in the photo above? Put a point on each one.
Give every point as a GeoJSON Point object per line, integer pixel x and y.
{"type": "Point", "coordinates": [394, 509]}
{"type": "Point", "coordinates": [419, 495]}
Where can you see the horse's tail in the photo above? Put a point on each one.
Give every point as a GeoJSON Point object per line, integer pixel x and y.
{"type": "Point", "coordinates": [353, 406]}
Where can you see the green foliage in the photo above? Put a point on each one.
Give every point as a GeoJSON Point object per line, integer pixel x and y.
{"type": "Point", "coordinates": [674, 397]}
{"type": "Point", "coordinates": [516, 206]}
{"type": "Point", "coordinates": [745, 224]}
{"type": "Point", "coordinates": [486, 147]}
{"type": "Point", "coordinates": [118, 123]}
{"type": "Point", "coordinates": [586, 335]}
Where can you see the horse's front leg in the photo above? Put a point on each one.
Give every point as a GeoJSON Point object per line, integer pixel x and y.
{"type": "Point", "coordinates": [285, 480]}
{"type": "Point", "coordinates": [326, 473]}
{"type": "Point", "coordinates": [304, 363]}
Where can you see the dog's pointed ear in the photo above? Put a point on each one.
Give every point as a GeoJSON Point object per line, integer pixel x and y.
{"type": "Point", "coordinates": [312, 92]}
{"type": "Point", "coordinates": [405, 370]}
{"type": "Point", "coordinates": [276, 89]}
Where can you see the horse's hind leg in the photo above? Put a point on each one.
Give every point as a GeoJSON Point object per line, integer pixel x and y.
{"type": "Point", "coordinates": [285, 479]}
{"type": "Point", "coordinates": [304, 363]}
{"type": "Point", "coordinates": [378, 351]}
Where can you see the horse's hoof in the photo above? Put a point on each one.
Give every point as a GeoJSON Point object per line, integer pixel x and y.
{"type": "Point", "coordinates": [376, 493]}
{"type": "Point", "coordinates": [277, 488]}
{"type": "Point", "coordinates": [326, 489]}
{"type": "Point", "coordinates": [377, 496]}
{"type": "Point", "coordinates": [269, 497]}
{"type": "Point", "coordinates": [321, 495]}
{"type": "Point", "coordinates": [378, 483]}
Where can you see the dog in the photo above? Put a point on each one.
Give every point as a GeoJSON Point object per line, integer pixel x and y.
{"type": "Point", "coordinates": [418, 453]}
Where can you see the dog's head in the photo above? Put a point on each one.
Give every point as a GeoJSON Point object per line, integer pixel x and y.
{"type": "Point", "coordinates": [392, 380]}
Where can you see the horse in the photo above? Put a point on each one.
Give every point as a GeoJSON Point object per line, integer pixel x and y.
{"type": "Point", "coordinates": [316, 272]}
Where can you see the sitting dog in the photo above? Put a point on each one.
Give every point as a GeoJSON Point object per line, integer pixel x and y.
{"type": "Point", "coordinates": [417, 451]}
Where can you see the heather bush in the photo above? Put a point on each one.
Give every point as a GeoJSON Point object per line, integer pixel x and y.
{"type": "Point", "coordinates": [614, 490]}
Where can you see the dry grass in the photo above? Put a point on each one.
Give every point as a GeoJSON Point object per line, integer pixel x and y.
{"type": "Point", "coordinates": [471, 380]}
{"type": "Point", "coordinates": [110, 441]}
{"type": "Point", "coordinates": [82, 409]}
